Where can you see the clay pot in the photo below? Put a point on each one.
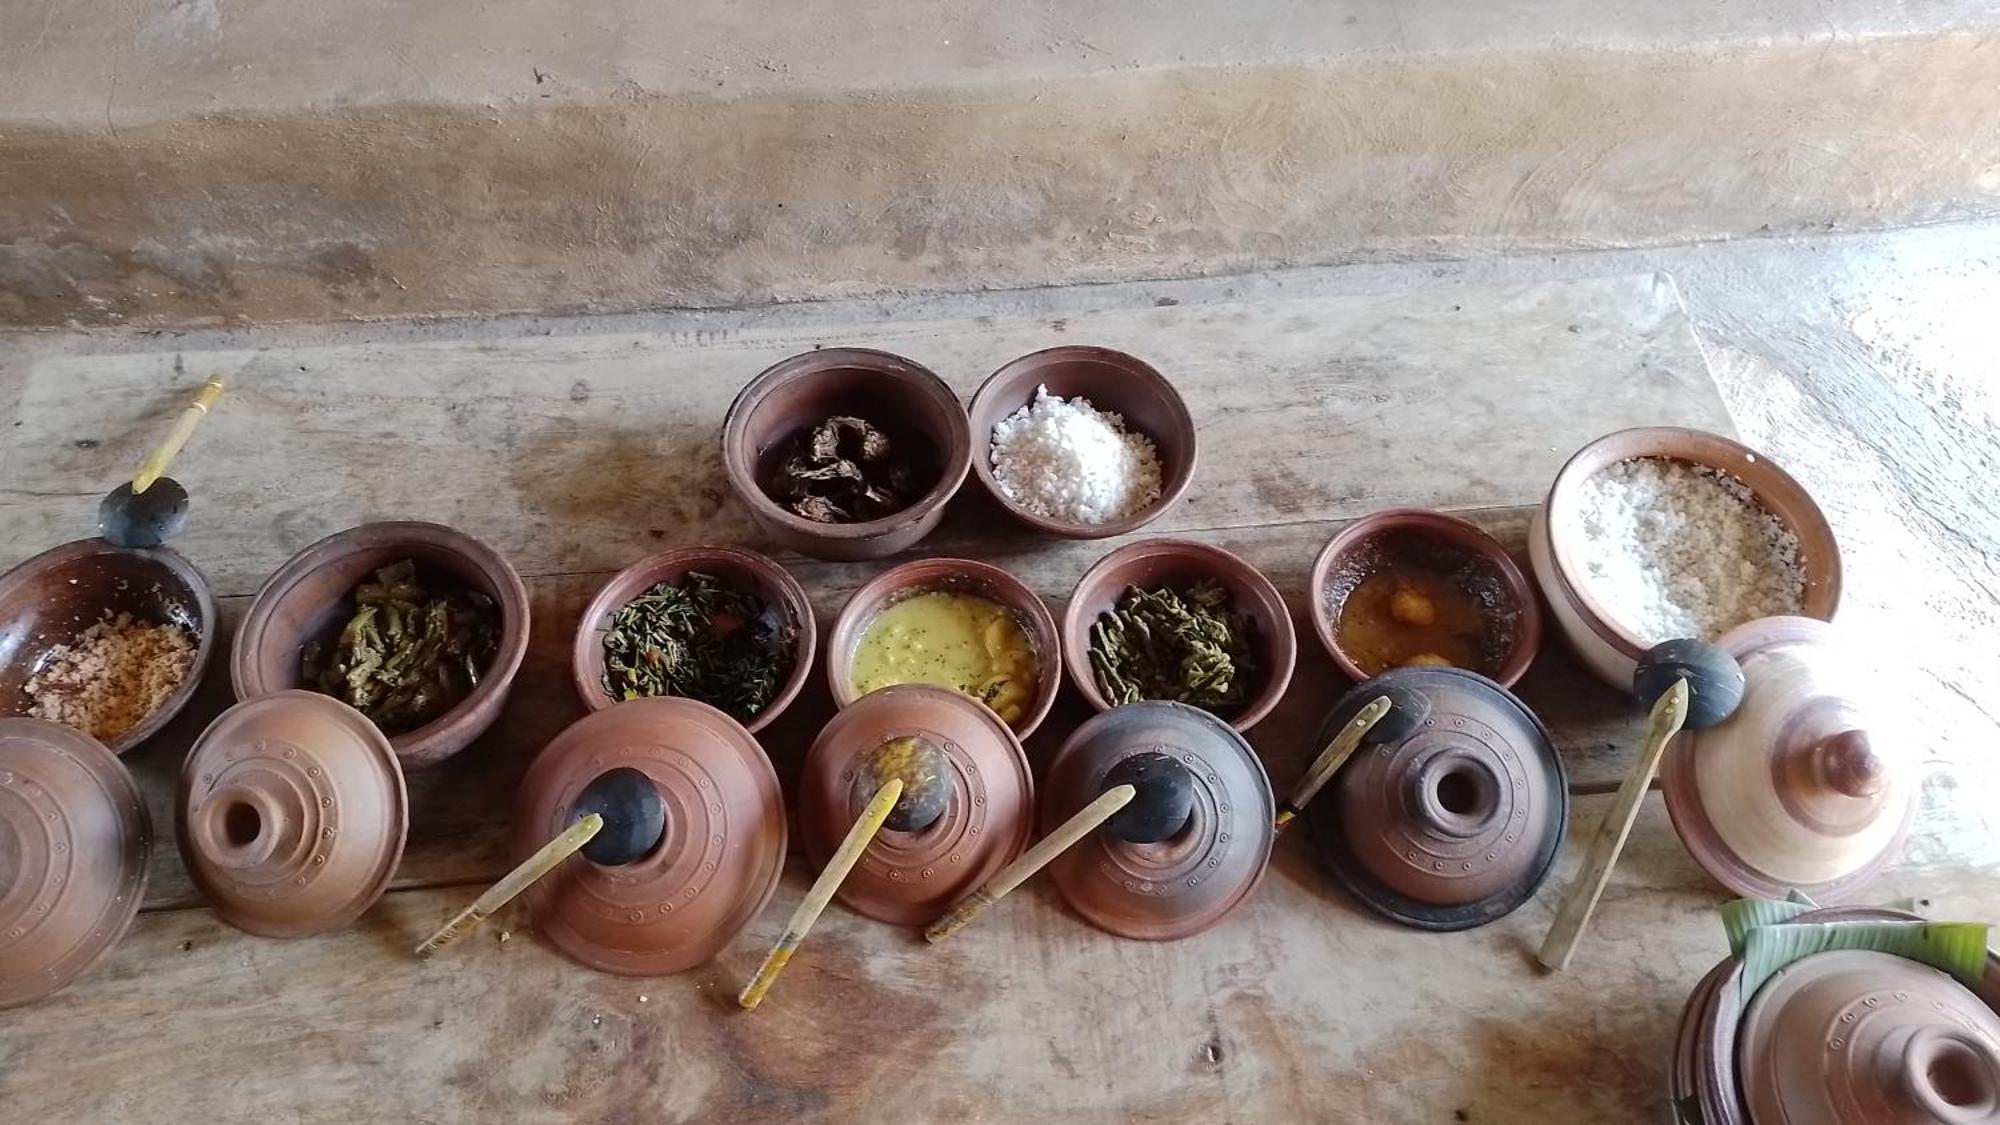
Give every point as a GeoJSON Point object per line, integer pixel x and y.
{"type": "Point", "coordinates": [1190, 881]}
{"type": "Point", "coordinates": [51, 598]}
{"type": "Point", "coordinates": [1112, 381]}
{"type": "Point", "coordinates": [905, 400]}
{"type": "Point", "coordinates": [909, 878]}
{"type": "Point", "coordinates": [1441, 544]}
{"type": "Point", "coordinates": [745, 570]}
{"type": "Point", "coordinates": [958, 576]}
{"type": "Point", "coordinates": [309, 598]}
{"type": "Point", "coordinates": [1800, 788]}
{"type": "Point", "coordinates": [292, 814]}
{"type": "Point", "coordinates": [1556, 550]}
{"type": "Point", "coordinates": [1153, 563]}
{"type": "Point", "coordinates": [74, 844]}
{"type": "Point", "coordinates": [715, 867]}
{"type": "Point", "coordinates": [1841, 1038]}
{"type": "Point", "coordinates": [1456, 824]}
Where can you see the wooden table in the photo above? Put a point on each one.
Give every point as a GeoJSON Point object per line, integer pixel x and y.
{"type": "Point", "coordinates": [575, 451]}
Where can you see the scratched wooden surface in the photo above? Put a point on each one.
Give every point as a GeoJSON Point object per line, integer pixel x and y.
{"type": "Point", "coordinates": [577, 452]}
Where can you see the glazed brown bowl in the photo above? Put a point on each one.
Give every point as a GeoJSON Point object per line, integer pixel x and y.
{"type": "Point", "coordinates": [743, 570]}
{"type": "Point", "coordinates": [1556, 552]}
{"type": "Point", "coordinates": [49, 599]}
{"type": "Point", "coordinates": [962, 576]}
{"type": "Point", "coordinates": [1151, 563]}
{"type": "Point", "coordinates": [909, 403]}
{"type": "Point", "coordinates": [1513, 616]}
{"type": "Point", "coordinates": [307, 599]}
{"type": "Point", "coordinates": [1113, 382]}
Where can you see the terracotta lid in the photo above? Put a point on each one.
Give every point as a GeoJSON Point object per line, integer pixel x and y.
{"type": "Point", "coordinates": [1189, 881]}
{"type": "Point", "coordinates": [908, 878]}
{"type": "Point", "coordinates": [292, 814]}
{"type": "Point", "coordinates": [74, 840]}
{"type": "Point", "coordinates": [1456, 824]}
{"type": "Point", "coordinates": [1862, 1038]}
{"type": "Point", "coordinates": [1799, 789]}
{"type": "Point", "coordinates": [714, 868]}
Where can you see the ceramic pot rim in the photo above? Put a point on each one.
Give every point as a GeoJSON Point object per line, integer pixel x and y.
{"type": "Point", "coordinates": [1172, 488]}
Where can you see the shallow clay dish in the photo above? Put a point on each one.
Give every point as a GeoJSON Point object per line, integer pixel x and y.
{"type": "Point", "coordinates": [1153, 563]}
{"type": "Point", "coordinates": [743, 570]}
{"type": "Point", "coordinates": [958, 576]}
{"type": "Point", "coordinates": [712, 872]}
{"type": "Point", "coordinates": [1556, 551]}
{"type": "Point", "coordinates": [1455, 825]}
{"type": "Point", "coordinates": [1800, 788]}
{"type": "Point", "coordinates": [1112, 381]}
{"type": "Point", "coordinates": [74, 844]}
{"type": "Point", "coordinates": [909, 403]}
{"type": "Point", "coordinates": [1443, 545]}
{"type": "Point", "coordinates": [1190, 881]}
{"type": "Point", "coordinates": [292, 814]}
{"type": "Point", "coordinates": [909, 878]}
{"type": "Point", "coordinates": [51, 598]}
{"type": "Point", "coordinates": [309, 598]}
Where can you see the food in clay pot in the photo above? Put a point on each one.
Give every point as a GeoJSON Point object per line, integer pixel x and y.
{"type": "Point", "coordinates": [1180, 645]}
{"type": "Point", "coordinates": [414, 648]}
{"type": "Point", "coordinates": [848, 470]}
{"type": "Point", "coordinates": [703, 640]}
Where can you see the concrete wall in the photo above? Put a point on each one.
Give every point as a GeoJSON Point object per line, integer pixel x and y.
{"type": "Point", "coordinates": [199, 160]}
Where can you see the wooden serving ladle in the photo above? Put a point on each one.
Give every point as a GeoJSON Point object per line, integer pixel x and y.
{"type": "Point", "coordinates": [1687, 683]}
{"type": "Point", "coordinates": [152, 507]}
{"type": "Point", "coordinates": [1393, 715]}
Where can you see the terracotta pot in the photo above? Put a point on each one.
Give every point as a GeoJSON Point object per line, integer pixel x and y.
{"type": "Point", "coordinates": [1801, 788]}
{"type": "Point", "coordinates": [1443, 544]}
{"type": "Point", "coordinates": [909, 878]}
{"type": "Point", "coordinates": [1153, 563]}
{"type": "Point", "coordinates": [75, 841]}
{"type": "Point", "coordinates": [716, 865]}
{"type": "Point", "coordinates": [793, 395]}
{"type": "Point", "coordinates": [1456, 824]}
{"type": "Point", "coordinates": [292, 814]}
{"type": "Point", "coordinates": [1841, 1038]}
{"type": "Point", "coordinates": [1190, 881]}
{"type": "Point", "coordinates": [959, 576]}
{"type": "Point", "coordinates": [51, 598]}
{"type": "Point", "coordinates": [1556, 553]}
{"type": "Point", "coordinates": [309, 598]}
{"type": "Point", "coordinates": [746, 570]}
{"type": "Point", "coordinates": [1112, 381]}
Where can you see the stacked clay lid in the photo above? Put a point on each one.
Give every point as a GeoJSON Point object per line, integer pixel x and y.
{"type": "Point", "coordinates": [74, 841]}
{"type": "Point", "coordinates": [1793, 791]}
{"type": "Point", "coordinates": [1199, 871]}
{"type": "Point", "coordinates": [1848, 1037]}
{"type": "Point", "coordinates": [911, 877]}
{"type": "Point", "coordinates": [1457, 823]}
{"type": "Point", "coordinates": [718, 858]}
{"type": "Point", "coordinates": [292, 814]}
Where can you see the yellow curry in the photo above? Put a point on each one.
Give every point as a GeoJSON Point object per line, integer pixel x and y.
{"type": "Point", "coordinates": [960, 641]}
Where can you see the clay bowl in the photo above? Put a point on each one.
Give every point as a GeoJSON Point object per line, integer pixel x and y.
{"type": "Point", "coordinates": [908, 402]}
{"type": "Point", "coordinates": [51, 598]}
{"type": "Point", "coordinates": [746, 570]}
{"type": "Point", "coordinates": [959, 575]}
{"type": "Point", "coordinates": [1152, 563]}
{"type": "Point", "coordinates": [307, 599]}
{"type": "Point", "coordinates": [1556, 551]}
{"type": "Point", "coordinates": [1442, 544]}
{"type": "Point", "coordinates": [1112, 381]}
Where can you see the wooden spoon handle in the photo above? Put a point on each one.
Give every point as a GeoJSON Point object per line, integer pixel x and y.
{"type": "Point", "coordinates": [1034, 859]}
{"type": "Point", "coordinates": [1332, 758]}
{"type": "Point", "coordinates": [1668, 715]}
{"type": "Point", "coordinates": [821, 893]}
{"type": "Point", "coordinates": [156, 465]}
{"type": "Point", "coordinates": [514, 882]}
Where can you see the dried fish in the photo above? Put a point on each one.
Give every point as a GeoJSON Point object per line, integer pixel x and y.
{"type": "Point", "coordinates": [845, 470]}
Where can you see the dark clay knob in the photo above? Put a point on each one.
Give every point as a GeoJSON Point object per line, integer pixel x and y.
{"type": "Point", "coordinates": [146, 520]}
{"type": "Point", "coordinates": [1714, 679]}
{"type": "Point", "coordinates": [1849, 765]}
{"type": "Point", "coordinates": [1408, 708]}
{"type": "Point", "coordinates": [635, 818]}
{"type": "Point", "coordinates": [926, 774]}
{"type": "Point", "coordinates": [1162, 802]}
